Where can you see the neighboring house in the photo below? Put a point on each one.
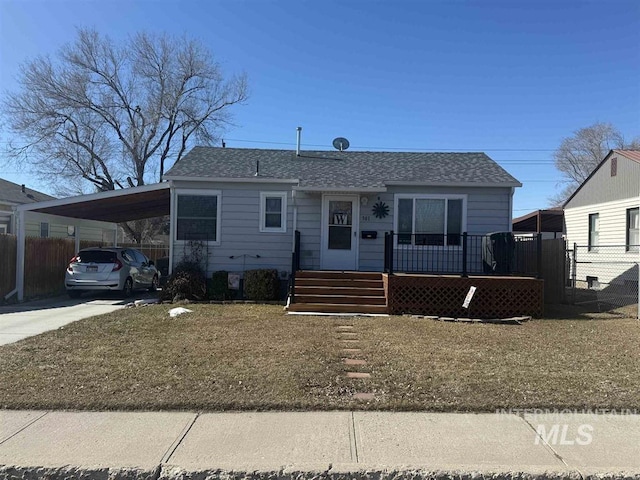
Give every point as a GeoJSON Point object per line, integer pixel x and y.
{"type": "Point", "coordinates": [601, 219]}
{"type": "Point", "coordinates": [12, 195]}
{"type": "Point", "coordinates": [245, 205]}
{"type": "Point", "coordinates": [548, 222]}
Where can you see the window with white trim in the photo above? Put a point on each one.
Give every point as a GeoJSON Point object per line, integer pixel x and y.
{"type": "Point", "coordinates": [198, 217]}
{"type": "Point", "coordinates": [594, 232]}
{"type": "Point", "coordinates": [44, 230]}
{"type": "Point", "coordinates": [633, 235]}
{"type": "Point", "coordinates": [430, 220]}
{"type": "Point", "coordinates": [3, 228]}
{"type": "Point", "coordinates": [273, 212]}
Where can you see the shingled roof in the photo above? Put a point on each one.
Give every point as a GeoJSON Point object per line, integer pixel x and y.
{"type": "Point", "coordinates": [342, 170]}
{"type": "Point", "coordinates": [12, 193]}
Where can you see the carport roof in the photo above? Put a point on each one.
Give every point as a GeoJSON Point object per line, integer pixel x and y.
{"type": "Point", "coordinates": [115, 206]}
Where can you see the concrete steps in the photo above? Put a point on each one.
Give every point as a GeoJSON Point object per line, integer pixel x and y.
{"type": "Point", "coordinates": [339, 292]}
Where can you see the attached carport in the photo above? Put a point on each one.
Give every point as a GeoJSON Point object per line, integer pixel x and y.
{"type": "Point", "coordinates": [102, 210]}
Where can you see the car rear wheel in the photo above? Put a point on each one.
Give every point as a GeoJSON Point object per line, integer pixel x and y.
{"type": "Point", "coordinates": [154, 284]}
{"type": "Point", "coordinates": [127, 290]}
{"type": "Point", "coordinates": [74, 293]}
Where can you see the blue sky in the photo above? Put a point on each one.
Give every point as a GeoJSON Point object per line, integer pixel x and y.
{"type": "Point", "coordinates": [510, 78]}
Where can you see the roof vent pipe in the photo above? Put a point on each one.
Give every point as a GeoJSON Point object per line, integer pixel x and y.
{"type": "Point", "coordinates": [22, 188]}
{"type": "Point", "coordinates": [299, 131]}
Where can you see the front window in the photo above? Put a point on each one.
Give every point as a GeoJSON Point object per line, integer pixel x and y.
{"type": "Point", "coordinates": [273, 212]}
{"type": "Point", "coordinates": [198, 217]}
{"type": "Point", "coordinates": [594, 232]}
{"type": "Point", "coordinates": [429, 221]}
{"type": "Point", "coordinates": [633, 238]}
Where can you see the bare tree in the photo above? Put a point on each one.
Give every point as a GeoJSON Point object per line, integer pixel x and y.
{"type": "Point", "coordinates": [578, 155]}
{"type": "Point", "coordinates": [114, 114]}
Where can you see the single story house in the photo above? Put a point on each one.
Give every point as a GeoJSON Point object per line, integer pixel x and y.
{"type": "Point", "coordinates": [12, 195]}
{"type": "Point", "coordinates": [246, 205]}
{"type": "Point", "coordinates": [602, 224]}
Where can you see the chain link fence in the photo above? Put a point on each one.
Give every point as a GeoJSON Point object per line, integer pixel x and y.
{"type": "Point", "coordinates": [606, 275]}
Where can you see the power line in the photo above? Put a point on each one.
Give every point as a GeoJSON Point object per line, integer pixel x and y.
{"type": "Point", "coordinates": [292, 144]}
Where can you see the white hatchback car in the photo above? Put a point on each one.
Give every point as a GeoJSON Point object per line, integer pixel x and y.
{"type": "Point", "coordinates": [110, 269]}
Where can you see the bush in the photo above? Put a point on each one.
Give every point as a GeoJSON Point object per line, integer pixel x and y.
{"type": "Point", "coordinates": [261, 285]}
{"type": "Point", "coordinates": [186, 282]}
{"type": "Point", "coordinates": [219, 286]}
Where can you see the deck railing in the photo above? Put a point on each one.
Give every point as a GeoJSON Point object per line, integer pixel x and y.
{"type": "Point", "coordinates": [463, 254]}
{"type": "Point", "coordinates": [295, 265]}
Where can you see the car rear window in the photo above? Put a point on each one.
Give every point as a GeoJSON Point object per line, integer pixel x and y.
{"type": "Point", "coordinates": [97, 256]}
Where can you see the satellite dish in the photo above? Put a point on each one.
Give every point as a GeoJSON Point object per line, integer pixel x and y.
{"type": "Point", "coordinates": [340, 143]}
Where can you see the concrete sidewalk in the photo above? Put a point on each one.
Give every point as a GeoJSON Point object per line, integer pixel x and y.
{"type": "Point", "coordinates": [182, 445]}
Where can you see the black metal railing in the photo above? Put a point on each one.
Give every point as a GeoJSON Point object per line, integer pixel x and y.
{"type": "Point", "coordinates": [295, 265]}
{"type": "Point", "coordinates": [499, 253]}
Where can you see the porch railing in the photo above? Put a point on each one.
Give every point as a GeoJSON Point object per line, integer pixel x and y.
{"type": "Point", "coordinates": [295, 265]}
{"type": "Point", "coordinates": [463, 254]}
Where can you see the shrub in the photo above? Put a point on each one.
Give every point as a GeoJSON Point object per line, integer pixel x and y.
{"type": "Point", "coordinates": [261, 284]}
{"type": "Point", "coordinates": [219, 286]}
{"type": "Point", "coordinates": [186, 282]}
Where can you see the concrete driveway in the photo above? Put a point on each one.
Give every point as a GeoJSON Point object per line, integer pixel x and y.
{"type": "Point", "coordinates": [32, 318]}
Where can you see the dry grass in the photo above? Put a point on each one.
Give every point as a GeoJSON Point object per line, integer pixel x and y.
{"type": "Point", "coordinates": [239, 357]}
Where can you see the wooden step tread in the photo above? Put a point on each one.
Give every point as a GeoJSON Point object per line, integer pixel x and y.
{"type": "Point", "coordinates": [337, 308]}
{"type": "Point", "coordinates": [331, 274]}
{"type": "Point", "coordinates": [343, 291]}
{"type": "Point", "coordinates": [345, 282]}
{"type": "Point", "coordinates": [356, 299]}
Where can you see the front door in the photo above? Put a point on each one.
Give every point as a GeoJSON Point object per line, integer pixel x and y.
{"type": "Point", "coordinates": [339, 232]}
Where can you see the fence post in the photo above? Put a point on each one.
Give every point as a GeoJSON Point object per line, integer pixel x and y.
{"type": "Point", "coordinates": [574, 266]}
{"type": "Point", "coordinates": [386, 252]}
{"type": "Point", "coordinates": [464, 254]}
{"type": "Point", "coordinates": [391, 253]}
{"type": "Point", "coordinates": [539, 255]}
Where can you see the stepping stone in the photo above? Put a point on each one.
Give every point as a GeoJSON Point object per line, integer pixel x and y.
{"type": "Point", "coordinates": [364, 396]}
{"type": "Point", "coordinates": [348, 333]}
{"type": "Point", "coordinates": [354, 361]}
{"type": "Point", "coordinates": [345, 327]}
{"type": "Point", "coordinates": [349, 340]}
{"type": "Point", "coordinates": [351, 350]}
{"type": "Point", "coordinates": [358, 375]}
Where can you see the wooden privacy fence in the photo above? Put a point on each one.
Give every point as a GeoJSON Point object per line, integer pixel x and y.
{"type": "Point", "coordinates": [554, 269]}
{"type": "Point", "coordinates": [46, 260]}
{"type": "Point", "coordinates": [7, 264]}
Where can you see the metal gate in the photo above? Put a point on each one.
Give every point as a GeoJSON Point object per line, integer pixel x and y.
{"type": "Point", "coordinates": [606, 275]}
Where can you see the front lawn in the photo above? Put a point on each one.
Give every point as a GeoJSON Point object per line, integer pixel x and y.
{"type": "Point", "coordinates": [239, 357]}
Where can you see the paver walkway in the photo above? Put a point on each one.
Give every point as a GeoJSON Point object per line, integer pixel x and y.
{"type": "Point", "coordinates": [348, 336]}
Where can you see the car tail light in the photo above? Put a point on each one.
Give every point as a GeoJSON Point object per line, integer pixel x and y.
{"type": "Point", "coordinates": [73, 260]}
{"type": "Point", "coordinates": [117, 266]}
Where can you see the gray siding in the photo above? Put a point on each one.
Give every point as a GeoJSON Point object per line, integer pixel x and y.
{"type": "Point", "coordinates": [309, 225]}
{"type": "Point", "coordinates": [603, 188]}
{"type": "Point", "coordinates": [240, 235]}
{"type": "Point", "coordinates": [488, 210]}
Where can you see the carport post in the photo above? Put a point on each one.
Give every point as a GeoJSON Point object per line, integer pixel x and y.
{"type": "Point", "coordinates": [20, 247]}
{"type": "Point", "coordinates": [76, 238]}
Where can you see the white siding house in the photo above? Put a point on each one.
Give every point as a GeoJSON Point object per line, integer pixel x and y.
{"type": "Point", "coordinates": [245, 205]}
{"type": "Point", "coordinates": [601, 220]}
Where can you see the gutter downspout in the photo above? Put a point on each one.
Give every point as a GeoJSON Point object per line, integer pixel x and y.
{"type": "Point", "coordinates": [172, 224]}
{"type": "Point", "coordinates": [20, 250]}
{"type": "Point", "coordinates": [513, 191]}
